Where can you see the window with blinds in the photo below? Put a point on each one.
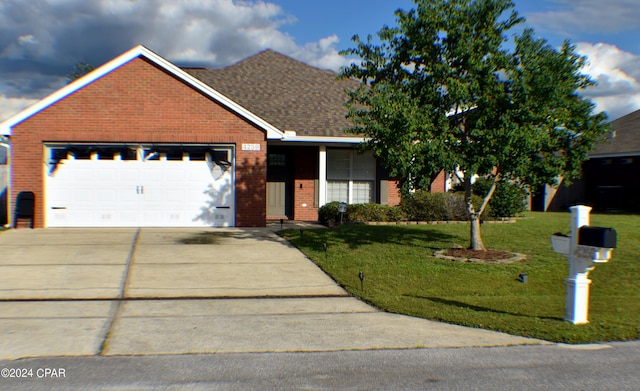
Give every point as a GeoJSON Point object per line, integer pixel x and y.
{"type": "Point", "coordinates": [350, 176]}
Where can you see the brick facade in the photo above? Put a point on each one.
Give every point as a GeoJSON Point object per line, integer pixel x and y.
{"type": "Point", "coordinates": [439, 184]}
{"type": "Point", "coordinates": [393, 192]}
{"type": "Point", "coordinates": [304, 188]}
{"type": "Point", "coordinates": [140, 103]}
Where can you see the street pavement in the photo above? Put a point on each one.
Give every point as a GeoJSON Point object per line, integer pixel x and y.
{"type": "Point", "coordinates": [157, 291]}
{"type": "Point", "coordinates": [542, 367]}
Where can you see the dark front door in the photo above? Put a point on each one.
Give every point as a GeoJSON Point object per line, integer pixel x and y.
{"type": "Point", "coordinates": [279, 183]}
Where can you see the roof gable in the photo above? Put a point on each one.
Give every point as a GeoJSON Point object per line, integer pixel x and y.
{"type": "Point", "coordinates": [289, 94]}
{"type": "Point", "coordinates": [626, 140]}
{"type": "Point", "coordinates": [139, 51]}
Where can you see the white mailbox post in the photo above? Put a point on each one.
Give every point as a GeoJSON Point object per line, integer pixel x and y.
{"type": "Point", "coordinates": [582, 259]}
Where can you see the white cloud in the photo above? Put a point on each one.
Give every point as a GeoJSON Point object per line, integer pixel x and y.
{"type": "Point", "coordinates": [568, 17]}
{"type": "Point", "coordinates": [618, 76]}
{"type": "Point", "coordinates": [11, 106]}
{"type": "Point", "coordinates": [322, 54]}
{"type": "Point", "coordinates": [41, 40]}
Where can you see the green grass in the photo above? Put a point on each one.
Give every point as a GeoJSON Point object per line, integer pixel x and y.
{"type": "Point", "coordinates": [402, 276]}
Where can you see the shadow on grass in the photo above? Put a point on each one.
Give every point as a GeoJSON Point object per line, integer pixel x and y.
{"type": "Point", "coordinates": [354, 236]}
{"type": "Point", "coordinates": [478, 308]}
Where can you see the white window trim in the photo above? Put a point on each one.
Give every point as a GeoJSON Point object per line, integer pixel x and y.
{"type": "Point", "coordinates": [322, 176]}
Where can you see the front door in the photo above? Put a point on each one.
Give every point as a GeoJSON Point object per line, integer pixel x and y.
{"type": "Point", "coordinates": [279, 183]}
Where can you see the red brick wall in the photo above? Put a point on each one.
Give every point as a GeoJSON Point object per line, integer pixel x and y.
{"type": "Point", "coordinates": [139, 103]}
{"type": "Point", "coordinates": [393, 192]}
{"type": "Point", "coordinates": [439, 184]}
{"type": "Point", "coordinates": [305, 172]}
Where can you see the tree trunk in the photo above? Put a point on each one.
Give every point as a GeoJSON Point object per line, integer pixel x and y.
{"type": "Point", "coordinates": [474, 215]}
{"type": "Point", "coordinates": [476, 238]}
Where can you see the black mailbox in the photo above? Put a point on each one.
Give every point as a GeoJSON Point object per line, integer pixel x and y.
{"type": "Point", "coordinates": [597, 237]}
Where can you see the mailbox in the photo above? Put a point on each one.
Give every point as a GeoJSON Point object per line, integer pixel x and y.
{"type": "Point", "coordinates": [597, 237]}
{"type": "Point", "coordinates": [584, 248]}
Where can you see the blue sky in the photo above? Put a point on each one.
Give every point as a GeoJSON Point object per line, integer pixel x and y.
{"type": "Point", "coordinates": [41, 40]}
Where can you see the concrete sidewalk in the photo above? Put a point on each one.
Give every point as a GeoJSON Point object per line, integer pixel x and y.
{"type": "Point", "coordinates": [175, 291]}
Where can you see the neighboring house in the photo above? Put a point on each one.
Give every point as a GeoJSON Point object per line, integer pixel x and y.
{"type": "Point", "coordinates": [610, 177]}
{"type": "Point", "coordinates": [612, 173]}
{"type": "Point", "coordinates": [142, 142]}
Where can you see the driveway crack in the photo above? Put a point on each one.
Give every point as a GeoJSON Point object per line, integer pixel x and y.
{"type": "Point", "coordinates": [114, 309]}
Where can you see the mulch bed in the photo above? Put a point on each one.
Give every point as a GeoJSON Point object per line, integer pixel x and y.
{"type": "Point", "coordinates": [488, 256]}
{"type": "Point", "coordinates": [477, 254]}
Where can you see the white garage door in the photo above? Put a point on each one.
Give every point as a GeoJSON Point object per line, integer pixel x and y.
{"type": "Point", "coordinates": [129, 186]}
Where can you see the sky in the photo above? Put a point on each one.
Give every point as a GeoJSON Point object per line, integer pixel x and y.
{"type": "Point", "coordinates": [42, 40]}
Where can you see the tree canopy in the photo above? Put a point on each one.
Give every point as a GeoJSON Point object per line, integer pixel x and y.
{"type": "Point", "coordinates": [79, 70]}
{"type": "Point", "coordinates": [447, 89]}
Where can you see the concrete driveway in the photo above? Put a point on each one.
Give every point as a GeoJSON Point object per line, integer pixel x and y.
{"type": "Point", "coordinates": [175, 291]}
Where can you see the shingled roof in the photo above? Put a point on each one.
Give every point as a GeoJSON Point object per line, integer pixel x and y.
{"type": "Point", "coordinates": [627, 138]}
{"type": "Point", "coordinates": [290, 95]}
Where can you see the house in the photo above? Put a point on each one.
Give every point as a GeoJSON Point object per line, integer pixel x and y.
{"type": "Point", "coordinates": [612, 173]}
{"type": "Point", "coordinates": [610, 177]}
{"type": "Point", "coordinates": [142, 142]}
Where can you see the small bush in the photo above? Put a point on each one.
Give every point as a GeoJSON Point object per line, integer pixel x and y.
{"type": "Point", "coordinates": [328, 214]}
{"type": "Point", "coordinates": [508, 200]}
{"type": "Point", "coordinates": [419, 206]}
{"type": "Point", "coordinates": [359, 213]}
{"type": "Point", "coordinates": [424, 206]}
{"type": "Point", "coordinates": [367, 212]}
{"type": "Point", "coordinates": [395, 213]}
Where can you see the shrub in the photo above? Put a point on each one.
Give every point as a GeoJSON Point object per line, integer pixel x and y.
{"type": "Point", "coordinates": [508, 200]}
{"type": "Point", "coordinates": [328, 214]}
{"type": "Point", "coordinates": [395, 213]}
{"type": "Point", "coordinates": [367, 212]}
{"type": "Point", "coordinates": [359, 213]}
{"type": "Point", "coordinates": [424, 206]}
{"type": "Point", "coordinates": [418, 206]}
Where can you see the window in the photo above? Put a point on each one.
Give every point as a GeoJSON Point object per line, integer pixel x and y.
{"type": "Point", "coordinates": [277, 160]}
{"type": "Point", "coordinates": [350, 176]}
{"type": "Point", "coordinates": [4, 155]}
{"type": "Point", "coordinates": [362, 192]}
{"type": "Point", "coordinates": [338, 191]}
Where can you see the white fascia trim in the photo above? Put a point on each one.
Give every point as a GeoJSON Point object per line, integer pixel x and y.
{"type": "Point", "coordinates": [321, 139]}
{"type": "Point", "coordinates": [614, 155]}
{"type": "Point", "coordinates": [272, 131]}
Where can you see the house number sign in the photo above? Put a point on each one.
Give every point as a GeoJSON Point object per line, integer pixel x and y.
{"type": "Point", "coordinates": [250, 147]}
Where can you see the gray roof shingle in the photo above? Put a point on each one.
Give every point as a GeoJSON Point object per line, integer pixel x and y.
{"type": "Point", "coordinates": [285, 92]}
{"type": "Point", "coordinates": [626, 140]}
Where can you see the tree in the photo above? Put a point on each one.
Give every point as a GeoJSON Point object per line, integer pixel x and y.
{"type": "Point", "coordinates": [80, 69]}
{"type": "Point", "coordinates": [446, 90]}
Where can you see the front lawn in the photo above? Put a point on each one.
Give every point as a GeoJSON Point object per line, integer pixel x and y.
{"type": "Point", "coordinates": [402, 276]}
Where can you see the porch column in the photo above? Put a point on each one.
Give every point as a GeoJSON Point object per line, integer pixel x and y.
{"type": "Point", "coordinates": [322, 175]}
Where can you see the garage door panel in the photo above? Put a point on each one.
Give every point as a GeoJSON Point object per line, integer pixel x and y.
{"type": "Point", "coordinates": [106, 196]}
{"type": "Point", "coordinates": [138, 193]}
{"type": "Point", "coordinates": [106, 217]}
{"type": "Point", "coordinates": [128, 218]}
{"type": "Point", "coordinates": [176, 196]}
{"type": "Point", "coordinates": [83, 198]}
